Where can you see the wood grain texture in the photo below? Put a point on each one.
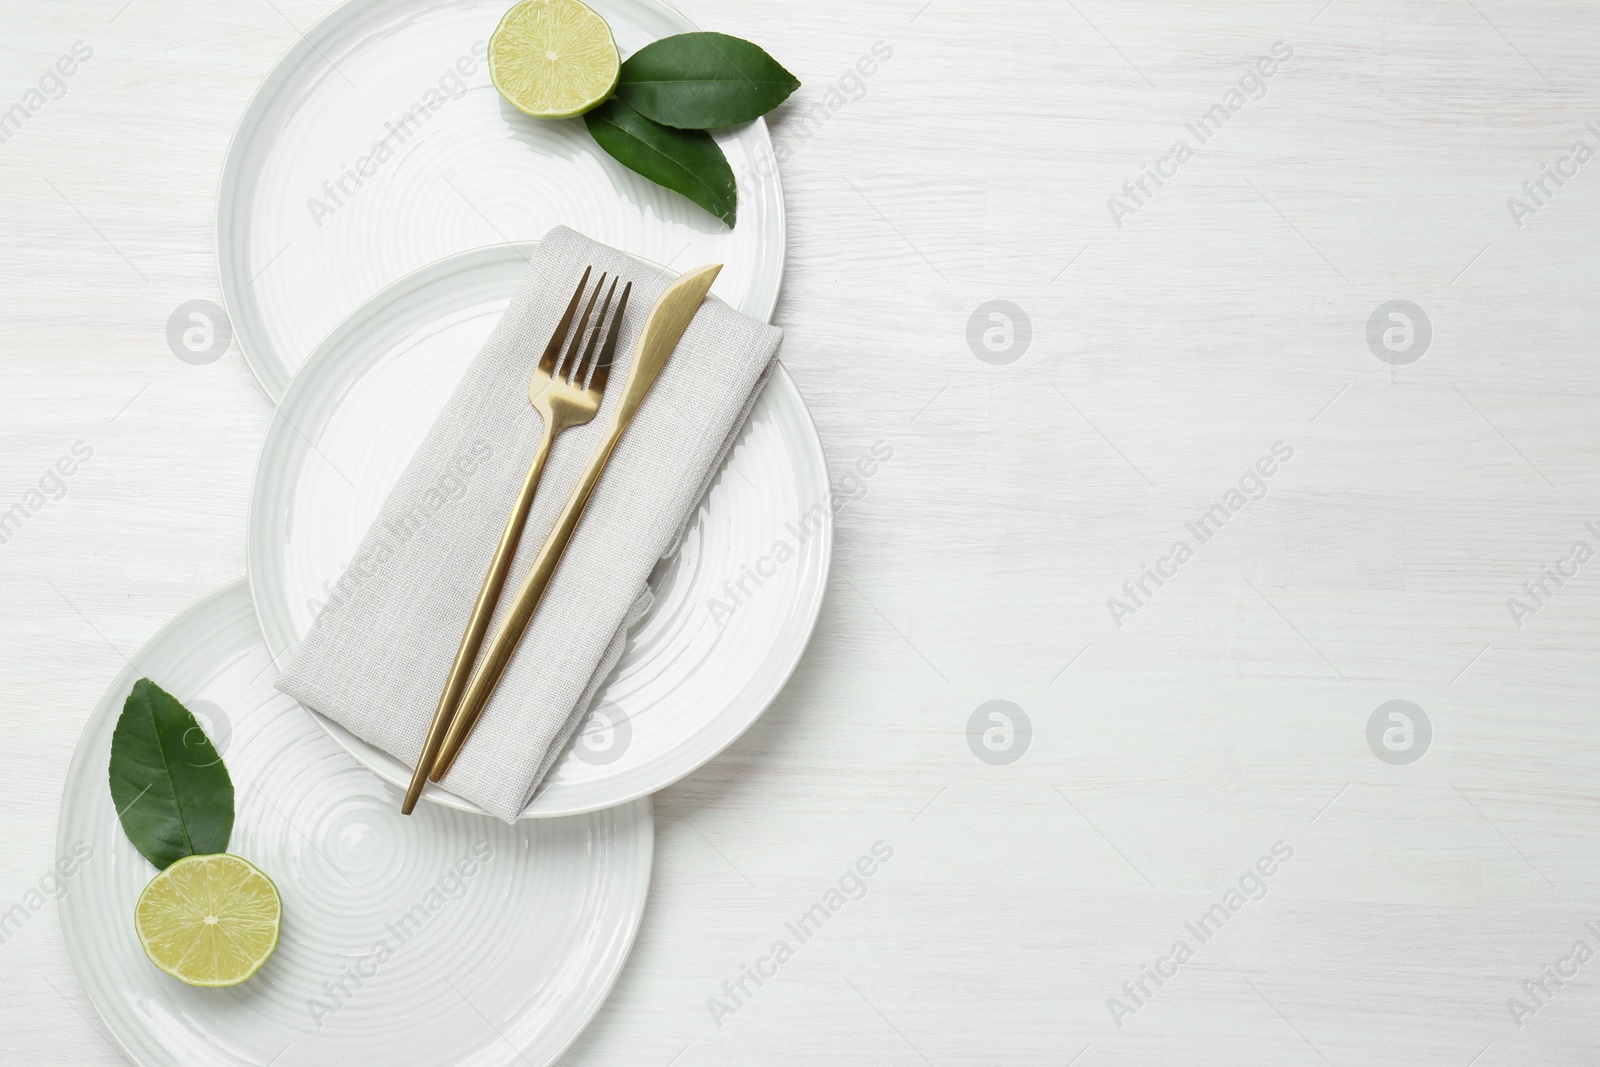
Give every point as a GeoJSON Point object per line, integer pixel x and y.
{"type": "Point", "coordinates": [1229, 712]}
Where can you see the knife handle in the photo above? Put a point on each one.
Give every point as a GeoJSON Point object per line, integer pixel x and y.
{"type": "Point", "coordinates": [520, 615]}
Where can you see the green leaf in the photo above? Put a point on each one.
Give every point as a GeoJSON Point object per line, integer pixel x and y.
{"type": "Point", "coordinates": [703, 81]}
{"type": "Point", "coordinates": [685, 161]}
{"type": "Point", "coordinates": [172, 792]}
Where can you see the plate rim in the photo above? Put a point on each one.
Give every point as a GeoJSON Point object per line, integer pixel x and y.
{"type": "Point", "coordinates": [810, 610]}
{"type": "Point", "coordinates": [276, 378]}
{"type": "Point", "coordinates": [595, 995]}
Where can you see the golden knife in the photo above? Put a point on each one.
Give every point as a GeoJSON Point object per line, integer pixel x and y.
{"type": "Point", "coordinates": [662, 330]}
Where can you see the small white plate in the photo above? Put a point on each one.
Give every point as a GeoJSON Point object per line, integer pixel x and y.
{"type": "Point", "coordinates": [442, 938]}
{"type": "Point", "coordinates": [692, 678]}
{"type": "Point", "coordinates": [467, 170]}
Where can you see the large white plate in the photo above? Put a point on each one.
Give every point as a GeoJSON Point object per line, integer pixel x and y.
{"type": "Point", "coordinates": [692, 680]}
{"type": "Point", "coordinates": [502, 961]}
{"type": "Point", "coordinates": [468, 171]}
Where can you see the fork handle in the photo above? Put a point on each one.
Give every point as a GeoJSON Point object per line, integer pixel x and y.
{"type": "Point", "coordinates": [517, 619]}
{"type": "Point", "coordinates": [478, 623]}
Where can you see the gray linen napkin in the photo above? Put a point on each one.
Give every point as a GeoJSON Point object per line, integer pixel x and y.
{"type": "Point", "coordinates": [376, 658]}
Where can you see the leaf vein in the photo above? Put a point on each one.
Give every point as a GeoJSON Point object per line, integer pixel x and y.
{"type": "Point", "coordinates": [166, 767]}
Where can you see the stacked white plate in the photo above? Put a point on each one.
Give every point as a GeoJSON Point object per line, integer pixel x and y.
{"type": "Point", "coordinates": [375, 214]}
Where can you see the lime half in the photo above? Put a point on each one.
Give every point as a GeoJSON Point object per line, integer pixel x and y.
{"type": "Point", "coordinates": [209, 920]}
{"type": "Point", "coordinates": [553, 59]}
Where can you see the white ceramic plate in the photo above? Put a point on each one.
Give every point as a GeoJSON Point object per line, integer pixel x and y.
{"type": "Point", "coordinates": [691, 679]}
{"type": "Point", "coordinates": [468, 170]}
{"type": "Point", "coordinates": [499, 942]}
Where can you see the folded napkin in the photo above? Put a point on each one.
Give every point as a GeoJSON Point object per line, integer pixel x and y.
{"type": "Point", "coordinates": [376, 659]}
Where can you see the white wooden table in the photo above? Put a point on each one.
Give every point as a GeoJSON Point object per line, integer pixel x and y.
{"type": "Point", "coordinates": [1173, 337]}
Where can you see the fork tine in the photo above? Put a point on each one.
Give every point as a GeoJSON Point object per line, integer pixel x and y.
{"type": "Point", "coordinates": [581, 372]}
{"type": "Point", "coordinates": [577, 335]}
{"type": "Point", "coordinates": [547, 362]}
{"type": "Point", "coordinates": [602, 368]}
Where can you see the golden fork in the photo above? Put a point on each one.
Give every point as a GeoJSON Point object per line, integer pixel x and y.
{"type": "Point", "coordinates": [566, 391]}
{"type": "Point", "coordinates": [665, 324]}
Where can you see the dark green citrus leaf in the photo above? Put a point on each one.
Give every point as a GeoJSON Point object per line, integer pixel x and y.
{"type": "Point", "coordinates": [703, 81]}
{"type": "Point", "coordinates": [685, 161]}
{"type": "Point", "coordinates": [172, 792]}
